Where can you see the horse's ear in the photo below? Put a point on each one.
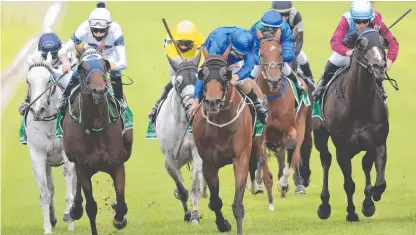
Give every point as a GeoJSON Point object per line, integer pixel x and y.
{"type": "Point", "coordinates": [267, 35]}
{"type": "Point", "coordinates": [107, 65]}
{"type": "Point", "coordinates": [197, 59]}
{"type": "Point", "coordinates": [203, 73]}
{"type": "Point", "coordinates": [384, 42]}
{"type": "Point", "coordinates": [225, 73]}
{"type": "Point", "coordinates": [362, 43]}
{"type": "Point", "coordinates": [173, 63]}
{"type": "Point", "coordinates": [82, 67]}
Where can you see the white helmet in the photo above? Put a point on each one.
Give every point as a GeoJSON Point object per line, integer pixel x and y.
{"type": "Point", "coordinates": [100, 17]}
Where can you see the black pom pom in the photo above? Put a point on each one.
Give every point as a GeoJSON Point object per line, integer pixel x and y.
{"type": "Point", "coordinates": [101, 5]}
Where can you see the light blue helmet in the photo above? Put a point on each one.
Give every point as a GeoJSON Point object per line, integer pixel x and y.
{"type": "Point", "coordinates": [272, 19]}
{"type": "Point", "coordinates": [361, 9]}
{"type": "Point", "coordinates": [242, 41]}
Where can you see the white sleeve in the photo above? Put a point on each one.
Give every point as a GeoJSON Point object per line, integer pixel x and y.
{"type": "Point", "coordinates": [79, 36]}
{"type": "Point", "coordinates": [119, 48]}
{"type": "Point", "coordinates": [121, 54]}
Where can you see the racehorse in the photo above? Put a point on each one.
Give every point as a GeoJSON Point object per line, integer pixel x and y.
{"type": "Point", "coordinates": [45, 150]}
{"type": "Point", "coordinates": [287, 127]}
{"type": "Point", "coordinates": [356, 119]}
{"type": "Point", "coordinates": [171, 122]}
{"type": "Point", "coordinates": [223, 134]}
{"type": "Point", "coordinates": [93, 138]}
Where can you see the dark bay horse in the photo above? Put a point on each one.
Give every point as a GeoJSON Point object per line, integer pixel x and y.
{"type": "Point", "coordinates": [223, 135]}
{"type": "Point", "coordinates": [357, 120]}
{"type": "Point", "coordinates": [287, 127]}
{"type": "Point", "coordinates": [93, 140]}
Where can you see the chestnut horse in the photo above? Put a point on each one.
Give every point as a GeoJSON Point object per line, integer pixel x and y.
{"type": "Point", "coordinates": [93, 140]}
{"type": "Point", "coordinates": [223, 134]}
{"type": "Point", "coordinates": [287, 127]}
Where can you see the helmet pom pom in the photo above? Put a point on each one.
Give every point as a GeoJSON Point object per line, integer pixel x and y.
{"type": "Point", "coordinates": [100, 5]}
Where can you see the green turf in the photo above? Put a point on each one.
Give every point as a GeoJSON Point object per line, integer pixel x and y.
{"type": "Point", "coordinates": [149, 189]}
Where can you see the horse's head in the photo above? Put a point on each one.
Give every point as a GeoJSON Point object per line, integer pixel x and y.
{"type": "Point", "coordinates": [216, 78]}
{"type": "Point", "coordinates": [185, 77]}
{"type": "Point", "coordinates": [369, 52]}
{"type": "Point", "coordinates": [93, 70]}
{"type": "Point", "coordinates": [271, 61]}
{"type": "Point", "coordinates": [40, 77]}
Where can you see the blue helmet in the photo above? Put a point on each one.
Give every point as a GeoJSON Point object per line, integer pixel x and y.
{"type": "Point", "coordinates": [272, 19]}
{"type": "Point", "coordinates": [242, 41]}
{"type": "Point", "coordinates": [283, 7]}
{"type": "Point", "coordinates": [49, 42]}
{"type": "Point", "coordinates": [361, 9]}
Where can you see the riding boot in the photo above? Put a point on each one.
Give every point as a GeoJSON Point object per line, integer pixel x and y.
{"type": "Point", "coordinates": [260, 107]}
{"type": "Point", "coordinates": [299, 88]}
{"type": "Point", "coordinates": [330, 70]}
{"type": "Point", "coordinates": [24, 104]}
{"type": "Point", "coordinates": [382, 90]}
{"type": "Point", "coordinates": [118, 88]}
{"type": "Point", "coordinates": [152, 114]}
{"type": "Point", "coordinates": [62, 101]}
{"type": "Point", "coordinates": [307, 71]}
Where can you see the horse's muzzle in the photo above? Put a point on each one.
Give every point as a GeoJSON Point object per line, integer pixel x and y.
{"type": "Point", "coordinates": [214, 106]}
{"type": "Point", "coordinates": [274, 84]}
{"type": "Point", "coordinates": [377, 70]}
{"type": "Point", "coordinates": [38, 115]}
{"type": "Point", "coordinates": [99, 95]}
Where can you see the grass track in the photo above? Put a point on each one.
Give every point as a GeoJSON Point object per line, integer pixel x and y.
{"type": "Point", "coordinates": [149, 195]}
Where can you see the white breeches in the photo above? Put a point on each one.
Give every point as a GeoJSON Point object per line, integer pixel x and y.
{"type": "Point", "coordinates": [339, 60]}
{"type": "Point", "coordinates": [302, 58]}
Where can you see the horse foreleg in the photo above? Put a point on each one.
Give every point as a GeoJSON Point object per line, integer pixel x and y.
{"type": "Point", "coordinates": [195, 188]}
{"type": "Point", "coordinates": [284, 171]}
{"type": "Point", "coordinates": [321, 137]}
{"type": "Point", "coordinates": [91, 204]}
{"type": "Point", "coordinates": [344, 162]}
{"type": "Point", "coordinates": [267, 179]}
{"type": "Point", "coordinates": [368, 207]}
{"type": "Point", "coordinates": [240, 165]}
{"type": "Point", "coordinates": [76, 211]}
{"type": "Point", "coordinates": [215, 203]}
{"type": "Point", "coordinates": [51, 187]}
{"type": "Point", "coordinates": [39, 171]}
{"type": "Point", "coordinates": [70, 180]}
{"type": "Point", "coordinates": [180, 191]}
{"type": "Point", "coordinates": [296, 158]}
{"type": "Point", "coordinates": [204, 187]}
{"type": "Point", "coordinates": [380, 165]}
{"type": "Point", "coordinates": [119, 178]}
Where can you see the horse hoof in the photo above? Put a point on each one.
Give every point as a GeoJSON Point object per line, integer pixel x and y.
{"type": "Point", "coordinates": [194, 221]}
{"type": "Point", "coordinates": [120, 225]}
{"type": "Point", "coordinates": [324, 212]}
{"type": "Point", "coordinates": [300, 189]}
{"type": "Point", "coordinates": [54, 221]}
{"type": "Point", "coordinates": [368, 209]}
{"type": "Point", "coordinates": [67, 218]}
{"type": "Point", "coordinates": [352, 217]}
{"type": "Point", "coordinates": [75, 213]}
{"type": "Point", "coordinates": [204, 195]}
{"type": "Point", "coordinates": [291, 143]}
{"type": "Point", "coordinates": [282, 195]}
{"type": "Point", "coordinates": [187, 217]}
{"type": "Point", "coordinates": [71, 226]}
{"type": "Point", "coordinates": [259, 192]}
{"type": "Point", "coordinates": [271, 207]}
{"type": "Point", "coordinates": [48, 231]}
{"type": "Point", "coordinates": [225, 226]}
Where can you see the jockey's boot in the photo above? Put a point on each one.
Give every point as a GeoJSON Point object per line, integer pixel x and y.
{"type": "Point", "coordinates": [382, 90]}
{"type": "Point", "coordinates": [118, 88]}
{"type": "Point", "coordinates": [62, 101]}
{"type": "Point", "coordinates": [259, 105]}
{"type": "Point", "coordinates": [306, 69]}
{"type": "Point", "coordinates": [24, 104]}
{"type": "Point", "coordinates": [152, 114]}
{"type": "Point", "coordinates": [299, 87]}
{"type": "Point", "coordinates": [330, 70]}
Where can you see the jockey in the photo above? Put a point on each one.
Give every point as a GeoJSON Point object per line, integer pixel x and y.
{"type": "Point", "coordinates": [235, 45]}
{"type": "Point", "coordinates": [49, 43]}
{"type": "Point", "coordinates": [101, 33]}
{"type": "Point", "coordinates": [359, 17]}
{"type": "Point", "coordinates": [189, 41]}
{"type": "Point", "coordinates": [292, 16]}
{"type": "Point", "coordinates": [271, 22]}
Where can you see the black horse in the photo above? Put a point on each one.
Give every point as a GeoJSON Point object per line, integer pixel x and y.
{"type": "Point", "coordinates": [356, 118]}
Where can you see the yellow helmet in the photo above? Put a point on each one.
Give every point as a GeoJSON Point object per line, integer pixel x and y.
{"type": "Point", "coordinates": [185, 30]}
